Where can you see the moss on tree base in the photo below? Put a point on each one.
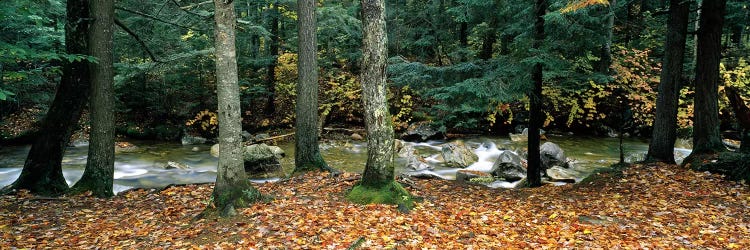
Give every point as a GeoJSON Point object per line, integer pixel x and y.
{"type": "Point", "coordinates": [735, 166]}
{"type": "Point", "coordinates": [388, 193]}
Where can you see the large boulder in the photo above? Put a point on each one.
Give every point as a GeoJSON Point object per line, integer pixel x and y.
{"type": "Point", "coordinates": [175, 165]}
{"type": "Point", "coordinates": [423, 174]}
{"type": "Point", "coordinates": [260, 158]}
{"type": "Point", "coordinates": [457, 154]}
{"type": "Point", "coordinates": [508, 166]}
{"type": "Point", "coordinates": [422, 131]}
{"type": "Point", "coordinates": [560, 174]}
{"type": "Point", "coordinates": [192, 140]}
{"type": "Point", "coordinates": [552, 155]}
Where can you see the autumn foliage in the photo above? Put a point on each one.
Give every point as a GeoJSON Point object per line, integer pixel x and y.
{"type": "Point", "coordinates": [645, 206]}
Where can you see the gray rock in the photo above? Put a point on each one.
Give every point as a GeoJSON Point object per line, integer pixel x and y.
{"type": "Point", "coordinates": [508, 166]}
{"type": "Point", "coordinates": [247, 136]}
{"type": "Point", "coordinates": [192, 140]}
{"type": "Point", "coordinates": [552, 155]}
{"type": "Point", "coordinates": [417, 163]}
{"type": "Point", "coordinates": [457, 154]}
{"type": "Point", "coordinates": [422, 131]}
{"type": "Point", "coordinates": [424, 174]}
{"type": "Point", "coordinates": [405, 151]}
{"type": "Point", "coordinates": [262, 158]}
{"type": "Point", "coordinates": [177, 165]}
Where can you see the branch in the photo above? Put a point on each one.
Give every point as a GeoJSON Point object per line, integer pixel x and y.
{"type": "Point", "coordinates": [155, 18]}
{"type": "Point", "coordinates": [186, 10]}
{"type": "Point", "coordinates": [138, 39]}
{"type": "Point", "coordinates": [196, 5]}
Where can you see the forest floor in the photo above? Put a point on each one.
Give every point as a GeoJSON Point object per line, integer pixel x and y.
{"type": "Point", "coordinates": [642, 206]}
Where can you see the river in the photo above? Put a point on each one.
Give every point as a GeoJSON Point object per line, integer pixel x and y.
{"type": "Point", "coordinates": [144, 168]}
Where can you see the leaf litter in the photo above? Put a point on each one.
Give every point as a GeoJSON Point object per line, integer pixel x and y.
{"type": "Point", "coordinates": [646, 206]}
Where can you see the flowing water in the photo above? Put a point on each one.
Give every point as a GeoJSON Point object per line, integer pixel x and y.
{"type": "Point", "coordinates": [145, 167]}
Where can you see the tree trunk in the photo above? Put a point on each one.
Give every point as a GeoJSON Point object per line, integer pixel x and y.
{"type": "Point", "coordinates": [377, 184]}
{"type": "Point", "coordinates": [606, 60]}
{"type": "Point", "coordinates": [489, 39]}
{"type": "Point", "coordinates": [42, 171]}
{"type": "Point", "coordinates": [100, 166]}
{"type": "Point", "coordinates": [533, 170]}
{"type": "Point", "coordinates": [706, 136]}
{"type": "Point", "coordinates": [274, 53]}
{"type": "Point", "coordinates": [306, 153]}
{"type": "Point", "coordinates": [634, 23]}
{"type": "Point", "coordinates": [661, 147]}
{"type": "Point", "coordinates": [232, 189]}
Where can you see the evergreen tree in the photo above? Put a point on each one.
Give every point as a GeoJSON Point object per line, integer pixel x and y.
{"type": "Point", "coordinates": [661, 147]}
{"type": "Point", "coordinates": [232, 189]}
{"type": "Point", "coordinates": [98, 176]}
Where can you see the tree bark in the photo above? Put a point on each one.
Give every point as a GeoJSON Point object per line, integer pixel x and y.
{"type": "Point", "coordinates": [307, 153]}
{"type": "Point", "coordinates": [100, 166]}
{"type": "Point", "coordinates": [42, 171]}
{"type": "Point", "coordinates": [606, 60]}
{"type": "Point", "coordinates": [706, 136]}
{"type": "Point", "coordinates": [533, 170]}
{"type": "Point", "coordinates": [232, 189]}
{"type": "Point", "coordinates": [379, 168]}
{"type": "Point", "coordinates": [661, 147]}
{"type": "Point", "coordinates": [274, 53]}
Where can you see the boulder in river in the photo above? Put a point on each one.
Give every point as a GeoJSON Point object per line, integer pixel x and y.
{"type": "Point", "coordinates": [417, 163]}
{"type": "Point", "coordinates": [177, 165]}
{"type": "Point", "coordinates": [262, 158]}
{"type": "Point", "coordinates": [192, 140]}
{"type": "Point", "coordinates": [422, 131]}
{"type": "Point", "coordinates": [356, 137]}
{"type": "Point", "coordinates": [126, 147]}
{"type": "Point", "coordinates": [508, 166]}
{"type": "Point", "coordinates": [552, 155]}
{"type": "Point", "coordinates": [457, 154]}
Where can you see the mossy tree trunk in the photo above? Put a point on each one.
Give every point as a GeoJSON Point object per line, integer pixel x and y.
{"type": "Point", "coordinates": [706, 136]}
{"type": "Point", "coordinates": [42, 171]}
{"type": "Point", "coordinates": [533, 170]}
{"type": "Point", "coordinates": [306, 153]}
{"type": "Point", "coordinates": [232, 190]}
{"type": "Point", "coordinates": [377, 184]}
{"type": "Point", "coordinates": [661, 147]}
{"type": "Point", "coordinates": [100, 166]}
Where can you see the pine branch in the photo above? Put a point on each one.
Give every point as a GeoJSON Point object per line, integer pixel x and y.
{"type": "Point", "coordinates": [137, 38]}
{"type": "Point", "coordinates": [156, 18]}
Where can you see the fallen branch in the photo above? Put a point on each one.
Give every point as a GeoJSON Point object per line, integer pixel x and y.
{"type": "Point", "coordinates": [271, 138]}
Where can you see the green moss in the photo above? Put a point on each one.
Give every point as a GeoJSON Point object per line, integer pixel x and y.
{"type": "Point", "coordinates": [388, 193]}
{"type": "Point", "coordinates": [482, 180]}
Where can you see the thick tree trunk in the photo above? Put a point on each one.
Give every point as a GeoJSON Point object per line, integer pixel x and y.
{"type": "Point", "coordinates": [489, 39]}
{"type": "Point", "coordinates": [706, 136]}
{"type": "Point", "coordinates": [307, 154]}
{"type": "Point", "coordinates": [100, 166]}
{"type": "Point", "coordinates": [42, 171]}
{"type": "Point", "coordinates": [274, 53]}
{"type": "Point", "coordinates": [533, 170]}
{"type": "Point", "coordinates": [377, 184]}
{"type": "Point", "coordinates": [380, 135]}
{"type": "Point", "coordinates": [661, 147]}
{"type": "Point", "coordinates": [232, 189]}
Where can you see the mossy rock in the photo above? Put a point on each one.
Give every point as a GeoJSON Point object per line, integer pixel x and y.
{"type": "Point", "coordinates": [735, 166]}
{"type": "Point", "coordinates": [389, 193]}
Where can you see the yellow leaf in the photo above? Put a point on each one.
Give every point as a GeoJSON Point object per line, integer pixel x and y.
{"type": "Point", "coordinates": [553, 216]}
{"type": "Point", "coordinates": [586, 231]}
